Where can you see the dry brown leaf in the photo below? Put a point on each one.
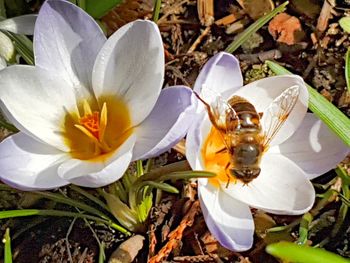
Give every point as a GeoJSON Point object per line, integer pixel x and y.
{"type": "Point", "coordinates": [286, 29]}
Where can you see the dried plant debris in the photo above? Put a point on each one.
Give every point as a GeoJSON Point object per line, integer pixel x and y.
{"type": "Point", "coordinates": [127, 11]}
{"type": "Point", "coordinates": [286, 29]}
{"type": "Point", "coordinates": [59, 252]}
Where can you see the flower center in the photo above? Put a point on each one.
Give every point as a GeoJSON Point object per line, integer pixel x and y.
{"type": "Point", "coordinates": [99, 128]}
{"type": "Point", "coordinates": [216, 158]}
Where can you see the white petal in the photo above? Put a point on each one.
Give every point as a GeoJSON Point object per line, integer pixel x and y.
{"type": "Point", "coordinates": [91, 173]}
{"type": "Point", "coordinates": [36, 102]}
{"type": "Point", "coordinates": [313, 147]}
{"type": "Point", "coordinates": [261, 93]}
{"type": "Point", "coordinates": [229, 220]}
{"type": "Point", "coordinates": [167, 123]}
{"type": "Point", "coordinates": [67, 41]}
{"type": "Point", "coordinates": [27, 164]}
{"type": "Point", "coordinates": [20, 24]}
{"type": "Point", "coordinates": [281, 188]}
{"type": "Point", "coordinates": [221, 73]}
{"type": "Point", "coordinates": [3, 63]}
{"type": "Point", "coordinates": [195, 139]}
{"type": "Point", "coordinates": [131, 65]}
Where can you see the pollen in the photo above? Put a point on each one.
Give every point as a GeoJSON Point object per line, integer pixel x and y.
{"type": "Point", "coordinates": [216, 159]}
{"type": "Point", "coordinates": [98, 129]}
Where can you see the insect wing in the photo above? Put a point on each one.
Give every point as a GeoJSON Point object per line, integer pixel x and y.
{"type": "Point", "coordinates": [278, 112]}
{"type": "Point", "coordinates": [222, 115]}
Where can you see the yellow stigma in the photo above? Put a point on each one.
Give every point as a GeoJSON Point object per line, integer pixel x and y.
{"type": "Point", "coordinates": [215, 159]}
{"type": "Point", "coordinates": [97, 131]}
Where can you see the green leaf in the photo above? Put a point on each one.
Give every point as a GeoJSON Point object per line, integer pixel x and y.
{"type": "Point", "coordinates": [344, 22]}
{"type": "Point", "coordinates": [343, 175]}
{"type": "Point", "coordinates": [98, 9]}
{"type": "Point", "coordinates": [156, 10]}
{"type": "Point", "coordinates": [185, 175]}
{"type": "Point", "coordinates": [337, 121]}
{"type": "Point", "coordinates": [7, 249]}
{"type": "Point", "coordinates": [49, 212]}
{"type": "Point", "coordinates": [23, 45]}
{"type": "Point", "coordinates": [255, 27]}
{"type": "Point", "coordinates": [347, 68]}
{"type": "Point", "coordinates": [125, 216]}
{"type": "Point", "coordinates": [301, 254]}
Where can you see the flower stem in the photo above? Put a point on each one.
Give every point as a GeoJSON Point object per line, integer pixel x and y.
{"type": "Point", "coordinates": [156, 10]}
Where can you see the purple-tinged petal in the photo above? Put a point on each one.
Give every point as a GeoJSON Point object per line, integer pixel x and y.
{"type": "Point", "coordinates": [27, 164]}
{"type": "Point", "coordinates": [131, 66]}
{"type": "Point", "coordinates": [261, 94]}
{"type": "Point", "coordinates": [196, 136]}
{"type": "Point", "coordinates": [99, 172]}
{"type": "Point", "coordinates": [36, 102]}
{"type": "Point", "coordinates": [281, 188]}
{"type": "Point", "coordinates": [167, 123]}
{"type": "Point", "coordinates": [229, 220]}
{"type": "Point", "coordinates": [220, 74]}
{"type": "Point", "coordinates": [66, 42]}
{"type": "Point", "coordinates": [313, 147]}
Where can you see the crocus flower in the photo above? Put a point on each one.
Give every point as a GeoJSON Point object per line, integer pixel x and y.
{"type": "Point", "coordinates": [303, 149]}
{"type": "Point", "coordinates": [90, 105]}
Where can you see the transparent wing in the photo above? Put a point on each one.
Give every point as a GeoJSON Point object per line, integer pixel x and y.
{"type": "Point", "coordinates": [277, 113]}
{"type": "Point", "coordinates": [221, 114]}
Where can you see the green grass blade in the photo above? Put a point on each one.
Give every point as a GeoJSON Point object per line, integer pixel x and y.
{"type": "Point", "coordinates": [347, 69]}
{"type": "Point", "coordinates": [156, 10]}
{"type": "Point", "coordinates": [186, 175]}
{"type": "Point", "coordinates": [301, 254]}
{"type": "Point", "coordinates": [98, 9]}
{"type": "Point", "coordinates": [38, 212]}
{"type": "Point", "coordinates": [255, 27]}
{"type": "Point", "coordinates": [8, 126]}
{"type": "Point", "coordinates": [7, 248]}
{"type": "Point", "coordinates": [344, 23]}
{"type": "Point", "coordinates": [337, 121]}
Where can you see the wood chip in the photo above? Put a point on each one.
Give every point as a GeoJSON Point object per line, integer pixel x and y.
{"type": "Point", "coordinates": [205, 10]}
{"type": "Point", "coordinates": [227, 20]}
{"type": "Point", "coordinates": [256, 9]}
{"type": "Point", "coordinates": [128, 250]}
{"type": "Point", "coordinates": [322, 22]}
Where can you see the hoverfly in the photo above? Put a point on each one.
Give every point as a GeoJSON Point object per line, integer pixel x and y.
{"type": "Point", "coordinates": [244, 137]}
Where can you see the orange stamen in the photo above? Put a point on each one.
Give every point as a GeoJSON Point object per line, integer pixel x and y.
{"type": "Point", "coordinates": [92, 123]}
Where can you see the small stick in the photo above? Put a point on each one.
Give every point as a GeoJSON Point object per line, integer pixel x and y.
{"type": "Point", "coordinates": [176, 235]}
{"type": "Point", "coordinates": [261, 57]}
{"type": "Point", "coordinates": [199, 40]}
{"type": "Point", "coordinates": [322, 22]}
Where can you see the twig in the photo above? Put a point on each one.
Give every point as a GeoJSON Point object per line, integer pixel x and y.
{"type": "Point", "coordinates": [199, 40]}
{"type": "Point", "coordinates": [322, 22]}
{"type": "Point", "coordinates": [176, 235]}
{"type": "Point", "coordinates": [67, 240]}
{"type": "Point", "coordinates": [174, 7]}
{"type": "Point", "coordinates": [260, 57]}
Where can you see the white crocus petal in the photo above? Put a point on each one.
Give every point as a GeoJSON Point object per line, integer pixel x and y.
{"type": "Point", "coordinates": [167, 123]}
{"type": "Point", "coordinates": [281, 188]}
{"type": "Point", "coordinates": [221, 73]}
{"type": "Point", "coordinates": [94, 173]}
{"type": "Point", "coordinates": [67, 41]}
{"type": "Point", "coordinates": [36, 102]}
{"type": "Point", "coordinates": [20, 24]}
{"type": "Point", "coordinates": [131, 65]}
{"type": "Point", "coordinates": [195, 139]}
{"type": "Point", "coordinates": [3, 63]}
{"type": "Point", "coordinates": [229, 220]}
{"type": "Point", "coordinates": [313, 147]}
{"type": "Point", "coordinates": [27, 164]}
{"type": "Point", "coordinates": [262, 92]}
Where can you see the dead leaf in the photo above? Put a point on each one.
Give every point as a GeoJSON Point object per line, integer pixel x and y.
{"type": "Point", "coordinates": [286, 29]}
